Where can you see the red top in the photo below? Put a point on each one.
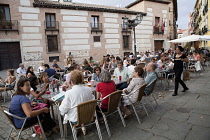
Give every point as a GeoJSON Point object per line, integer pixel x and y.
{"type": "Point", "coordinates": [105, 89]}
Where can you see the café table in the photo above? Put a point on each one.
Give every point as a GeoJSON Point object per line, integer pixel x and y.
{"type": "Point", "coordinates": [57, 103]}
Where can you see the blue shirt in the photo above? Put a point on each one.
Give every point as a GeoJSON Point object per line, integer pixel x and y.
{"type": "Point", "coordinates": [95, 77]}
{"type": "Point", "coordinates": [151, 76]}
{"type": "Point", "coordinates": [16, 108]}
{"type": "Point", "coordinates": [50, 72]}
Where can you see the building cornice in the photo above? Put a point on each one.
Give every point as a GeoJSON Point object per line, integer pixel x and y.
{"type": "Point", "coordinates": [137, 1]}
{"type": "Point", "coordinates": [86, 7]}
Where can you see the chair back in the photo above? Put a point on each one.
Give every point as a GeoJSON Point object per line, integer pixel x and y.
{"type": "Point", "coordinates": [153, 85]}
{"type": "Point", "coordinates": [141, 92]}
{"type": "Point", "coordinates": [7, 115]}
{"type": "Point", "coordinates": [86, 112]}
{"type": "Point", "coordinates": [13, 84]}
{"type": "Point", "coordinates": [114, 99]}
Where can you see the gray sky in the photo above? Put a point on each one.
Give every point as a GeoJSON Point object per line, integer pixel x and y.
{"type": "Point", "coordinates": [184, 7]}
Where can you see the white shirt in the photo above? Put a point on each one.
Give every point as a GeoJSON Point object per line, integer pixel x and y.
{"type": "Point", "coordinates": [125, 73]}
{"type": "Point", "coordinates": [131, 68]}
{"type": "Point", "coordinates": [125, 63]}
{"type": "Point", "coordinates": [40, 69]}
{"type": "Point", "coordinates": [142, 58]}
{"type": "Point", "coordinates": [21, 70]}
{"type": "Point", "coordinates": [160, 63]}
{"type": "Point", "coordinates": [78, 94]}
{"type": "Point", "coordinates": [171, 65]}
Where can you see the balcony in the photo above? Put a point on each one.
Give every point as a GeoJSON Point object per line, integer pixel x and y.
{"type": "Point", "coordinates": [126, 28]}
{"type": "Point", "coordinates": [9, 25]}
{"type": "Point", "coordinates": [157, 30]}
{"type": "Point", "coordinates": [96, 27]}
{"type": "Point", "coordinates": [51, 26]}
{"type": "Point", "coordinates": [45, 0]}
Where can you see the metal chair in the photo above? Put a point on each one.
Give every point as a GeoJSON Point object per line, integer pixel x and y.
{"type": "Point", "coordinates": [6, 91]}
{"type": "Point", "coordinates": [85, 114]}
{"type": "Point", "coordinates": [113, 107]}
{"type": "Point", "coordinates": [138, 100]}
{"type": "Point", "coordinates": [151, 93]}
{"type": "Point", "coordinates": [19, 130]}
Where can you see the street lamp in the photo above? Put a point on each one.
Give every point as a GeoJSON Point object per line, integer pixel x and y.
{"type": "Point", "coordinates": [132, 24]}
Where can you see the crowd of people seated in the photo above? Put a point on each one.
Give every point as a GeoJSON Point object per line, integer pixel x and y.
{"type": "Point", "coordinates": [129, 70]}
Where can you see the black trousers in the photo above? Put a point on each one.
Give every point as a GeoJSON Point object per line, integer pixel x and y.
{"type": "Point", "coordinates": [178, 80]}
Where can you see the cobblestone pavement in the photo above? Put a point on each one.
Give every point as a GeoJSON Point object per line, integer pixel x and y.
{"type": "Point", "coordinates": [184, 117]}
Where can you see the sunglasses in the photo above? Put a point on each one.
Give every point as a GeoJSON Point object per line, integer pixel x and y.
{"type": "Point", "coordinates": [97, 70]}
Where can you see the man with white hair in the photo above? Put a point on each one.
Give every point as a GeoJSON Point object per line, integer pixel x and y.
{"type": "Point", "coordinates": [21, 71]}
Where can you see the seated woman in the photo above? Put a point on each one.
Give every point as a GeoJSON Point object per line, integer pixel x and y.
{"type": "Point", "coordinates": [33, 80]}
{"type": "Point", "coordinates": [135, 83]}
{"type": "Point", "coordinates": [8, 81]}
{"type": "Point", "coordinates": [197, 56]}
{"type": "Point", "coordinates": [91, 61]}
{"type": "Point", "coordinates": [46, 85]}
{"type": "Point", "coordinates": [96, 72]}
{"type": "Point", "coordinates": [20, 106]}
{"type": "Point", "coordinates": [78, 94]}
{"type": "Point", "coordinates": [104, 88]}
{"type": "Point", "coordinates": [31, 70]}
{"type": "Point", "coordinates": [68, 75]}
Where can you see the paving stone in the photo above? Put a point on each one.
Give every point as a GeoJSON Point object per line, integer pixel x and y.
{"type": "Point", "coordinates": [177, 100]}
{"type": "Point", "coordinates": [156, 137]}
{"type": "Point", "coordinates": [204, 112]}
{"type": "Point", "coordinates": [132, 134]}
{"type": "Point", "coordinates": [171, 129]}
{"type": "Point", "coordinates": [204, 97]}
{"type": "Point", "coordinates": [199, 119]}
{"type": "Point", "coordinates": [175, 115]}
{"type": "Point", "coordinates": [198, 133]}
{"type": "Point", "coordinates": [197, 104]}
{"type": "Point", "coordinates": [189, 96]}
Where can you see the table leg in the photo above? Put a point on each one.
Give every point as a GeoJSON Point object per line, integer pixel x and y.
{"type": "Point", "coordinates": [60, 122]}
{"type": "Point", "coordinates": [52, 111]}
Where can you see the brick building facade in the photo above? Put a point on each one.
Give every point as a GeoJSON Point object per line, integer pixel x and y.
{"type": "Point", "coordinates": [43, 30]}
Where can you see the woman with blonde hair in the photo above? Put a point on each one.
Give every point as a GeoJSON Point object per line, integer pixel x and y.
{"type": "Point", "coordinates": [78, 94]}
{"type": "Point", "coordinates": [103, 63]}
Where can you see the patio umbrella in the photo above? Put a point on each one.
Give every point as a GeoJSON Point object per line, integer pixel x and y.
{"type": "Point", "coordinates": [191, 38]}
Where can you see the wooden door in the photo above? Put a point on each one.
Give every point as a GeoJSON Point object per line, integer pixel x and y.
{"type": "Point", "coordinates": [10, 55]}
{"type": "Point", "coordinates": [158, 44]}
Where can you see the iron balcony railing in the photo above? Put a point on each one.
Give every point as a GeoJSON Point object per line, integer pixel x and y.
{"type": "Point", "coordinates": [51, 25]}
{"type": "Point", "coordinates": [158, 30]}
{"type": "Point", "coordinates": [96, 27]}
{"type": "Point", "coordinates": [9, 25]}
{"type": "Point", "coordinates": [45, 0]}
{"type": "Point", "coordinates": [125, 27]}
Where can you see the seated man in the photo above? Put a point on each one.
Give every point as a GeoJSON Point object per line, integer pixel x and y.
{"type": "Point", "coordinates": [56, 67]}
{"type": "Point", "coordinates": [125, 73]}
{"type": "Point", "coordinates": [151, 76]}
{"type": "Point", "coordinates": [50, 72]}
{"type": "Point", "coordinates": [132, 66]}
{"type": "Point", "coordinates": [21, 71]}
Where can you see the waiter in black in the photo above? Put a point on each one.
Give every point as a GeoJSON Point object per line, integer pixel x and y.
{"type": "Point", "coordinates": [179, 58]}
